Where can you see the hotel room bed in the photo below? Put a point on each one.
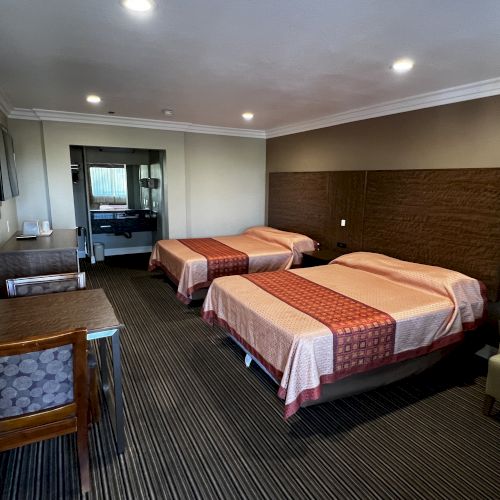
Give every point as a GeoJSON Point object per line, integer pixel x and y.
{"type": "Point", "coordinates": [193, 264]}
{"type": "Point", "coordinates": [363, 314]}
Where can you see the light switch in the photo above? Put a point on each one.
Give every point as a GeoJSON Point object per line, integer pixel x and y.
{"type": "Point", "coordinates": [342, 222]}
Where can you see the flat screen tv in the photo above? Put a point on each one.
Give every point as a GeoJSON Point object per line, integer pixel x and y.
{"type": "Point", "coordinates": [8, 175]}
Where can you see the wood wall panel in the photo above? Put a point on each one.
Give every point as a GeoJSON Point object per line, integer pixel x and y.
{"type": "Point", "coordinates": [448, 218]}
{"type": "Point", "coordinates": [313, 203]}
{"type": "Point", "coordinates": [300, 202]}
{"type": "Point", "coordinates": [346, 202]}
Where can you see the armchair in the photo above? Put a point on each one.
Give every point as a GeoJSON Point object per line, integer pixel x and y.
{"type": "Point", "coordinates": [492, 384]}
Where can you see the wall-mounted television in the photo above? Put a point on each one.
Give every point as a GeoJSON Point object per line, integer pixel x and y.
{"type": "Point", "coordinates": [8, 175]}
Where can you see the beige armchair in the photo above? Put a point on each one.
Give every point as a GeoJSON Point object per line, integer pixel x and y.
{"type": "Point", "coordinates": [492, 384]}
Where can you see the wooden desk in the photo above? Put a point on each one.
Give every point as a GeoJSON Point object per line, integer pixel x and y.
{"type": "Point", "coordinates": [57, 253]}
{"type": "Point", "coordinates": [21, 317]}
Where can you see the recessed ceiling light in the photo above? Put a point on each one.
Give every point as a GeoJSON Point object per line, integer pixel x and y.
{"type": "Point", "coordinates": [247, 116]}
{"type": "Point", "coordinates": [402, 65]}
{"type": "Point", "coordinates": [168, 112]}
{"type": "Point", "coordinates": [138, 5]}
{"type": "Point", "coordinates": [93, 99]}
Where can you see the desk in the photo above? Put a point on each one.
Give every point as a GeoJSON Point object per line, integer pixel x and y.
{"type": "Point", "coordinates": [54, 254]}
{"type": "Point", "coordinates": [24, 316]}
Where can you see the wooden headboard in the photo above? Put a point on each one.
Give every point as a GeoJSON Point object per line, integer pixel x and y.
{"type": "Point", "coordinates": [448, 218]}
{"type": "Point", "coordinates": [313, 203]}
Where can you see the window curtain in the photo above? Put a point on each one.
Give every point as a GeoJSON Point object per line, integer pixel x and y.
{"type": "Point", "coordinates": [108, 185]}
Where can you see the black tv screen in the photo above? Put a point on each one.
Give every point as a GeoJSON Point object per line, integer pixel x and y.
{"type": "Point", "coordinates": [8, 174]}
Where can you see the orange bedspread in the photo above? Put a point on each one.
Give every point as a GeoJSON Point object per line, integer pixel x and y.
{"type": "Point", "coordinates": [186, 261]}
{"type": "Point", "coordinates": [363, 337]}
{"type": "Point", "coordinates": [222, 260]}
{"type": "Point", "coordinates": [419, 308]}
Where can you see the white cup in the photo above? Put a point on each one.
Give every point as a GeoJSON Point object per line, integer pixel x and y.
{"type": "Point", "coordinates": [45, 226]}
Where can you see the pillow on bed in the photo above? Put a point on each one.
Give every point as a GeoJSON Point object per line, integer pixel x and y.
{"type": "Point", "coordinates": [465, 292]}
{"type": "Point", "coordinates": [296, 242]}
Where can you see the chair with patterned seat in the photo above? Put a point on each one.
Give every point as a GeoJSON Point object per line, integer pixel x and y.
{"type": "Point", "coordinates": [57, 283]}
{"type": "Point", "coordinates": [51, 283]}
{"type": "Point", "coordinates": [44, 392]}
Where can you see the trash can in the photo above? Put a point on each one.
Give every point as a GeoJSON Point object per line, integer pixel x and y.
{"type": "Point", "coordinates": [99, 252]}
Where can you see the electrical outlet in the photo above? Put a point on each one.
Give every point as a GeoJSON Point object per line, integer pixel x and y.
{"type": "Point", "coordinates": [343, 222]}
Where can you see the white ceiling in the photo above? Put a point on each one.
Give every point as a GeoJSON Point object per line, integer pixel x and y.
{"type": "Point", "coordinates": [286, 60]}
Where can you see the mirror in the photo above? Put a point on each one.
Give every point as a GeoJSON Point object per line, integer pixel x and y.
{"type": "Point", "coordinates": [115, 186]}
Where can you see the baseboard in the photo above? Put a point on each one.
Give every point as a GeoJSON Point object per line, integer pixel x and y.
{"type": "Point", "coordinates": [108, 252]}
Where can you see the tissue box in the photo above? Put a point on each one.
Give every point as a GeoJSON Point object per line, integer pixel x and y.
{"type": "Point", "coordinates": [31, 227]}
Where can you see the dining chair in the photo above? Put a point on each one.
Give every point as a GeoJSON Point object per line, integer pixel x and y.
{"type": "Point", "coordinates": [56, 283]}
{"type": "Point", "coordinates": [50, 283]}
{"type": "Point", "coordinates": [45, 393]}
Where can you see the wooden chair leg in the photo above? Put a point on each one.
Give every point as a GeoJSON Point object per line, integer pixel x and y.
{"type": "Point", "coordinates": [95, 407]}
{"type": "Point", "coordinates": [82, 438]}
{"type": "Point", "coordinates": [488, 404]}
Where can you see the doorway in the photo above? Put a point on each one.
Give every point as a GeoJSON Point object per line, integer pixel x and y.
{"type": "Point", "coordinates": [118, 200]}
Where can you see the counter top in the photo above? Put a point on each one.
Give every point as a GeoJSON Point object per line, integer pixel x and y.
{"type": "Point", "coordinates": [60, 239]}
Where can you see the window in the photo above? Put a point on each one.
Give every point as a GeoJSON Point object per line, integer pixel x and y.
{"type": "Point", "coordinates": [108, 184]}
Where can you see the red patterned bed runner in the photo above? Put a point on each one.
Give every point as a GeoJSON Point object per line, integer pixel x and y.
{"type": "Point", "coordinates": [363, 337]}
{"type": "Point", "coordinates": [222, 260]}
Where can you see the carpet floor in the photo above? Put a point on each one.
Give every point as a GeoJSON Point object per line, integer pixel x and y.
{"type": "Point", "coordinates": [201, 425]}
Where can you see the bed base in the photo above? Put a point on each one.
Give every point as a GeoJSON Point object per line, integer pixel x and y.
{"type": "Point", "coordinates": [249, 359]}
{"type": "Point", "coordinates": [362, 382]}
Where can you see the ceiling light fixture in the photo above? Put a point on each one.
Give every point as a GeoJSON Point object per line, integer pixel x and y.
{"type": "Point", "coordinates": [138, 5]}
{"type": "Point", "coordinates": [168, 112]}
{"type": "Point", "coordinates": [402, 65]}
{"type": "Point", "coordinates": [93, 99]}
{"type": "Point", "coordinates": [247, 116]}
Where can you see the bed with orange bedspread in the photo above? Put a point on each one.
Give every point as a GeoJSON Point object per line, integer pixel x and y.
{"type": "Point", "coordinates": [194, 263]}
{"type": "Point", "coordinates": [315, 326]}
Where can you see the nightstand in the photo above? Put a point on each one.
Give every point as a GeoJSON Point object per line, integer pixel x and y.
{"type": "Point", "coordinates": [321, 257]}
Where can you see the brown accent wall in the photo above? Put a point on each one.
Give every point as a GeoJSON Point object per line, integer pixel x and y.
{"type": "Point", "coordinates": [461, 135]}
{"type": "Point", "coordinates": [450, 220]}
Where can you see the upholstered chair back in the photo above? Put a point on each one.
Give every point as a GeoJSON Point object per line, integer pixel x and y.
{"type": "Point", "coordinates": [36, 381]}
{"type": "Point", "coordinates": [44, 391]}
{"type": "Point", "coordinates": [38, 285]}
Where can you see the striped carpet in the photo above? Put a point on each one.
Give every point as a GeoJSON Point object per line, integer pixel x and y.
{"type": "Point", "coordinates": [201, 425]}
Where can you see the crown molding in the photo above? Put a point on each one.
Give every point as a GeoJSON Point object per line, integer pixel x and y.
{"type": "Point", "coordinates": [23, 114]}
{"type": "Point", "coordinates": [451, 95]}
{"type": "Point", "coordinates": [460, 93]}
{"type": "Point", "coordinates": [5, 105]}
{"type": "Point", "coordinates": [124, 121]}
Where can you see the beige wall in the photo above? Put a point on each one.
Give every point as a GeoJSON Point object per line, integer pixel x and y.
{"type": "Point", "coordinates": [32, 202]}
{"type": "Point", "coordinates": [226, 183]}
{"type": "Point", "coordinates": [461, 135]}
{"type": "Point", "coordinates": [8, 213]}
{"type": "Point", "coordinates": [183, 193]}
